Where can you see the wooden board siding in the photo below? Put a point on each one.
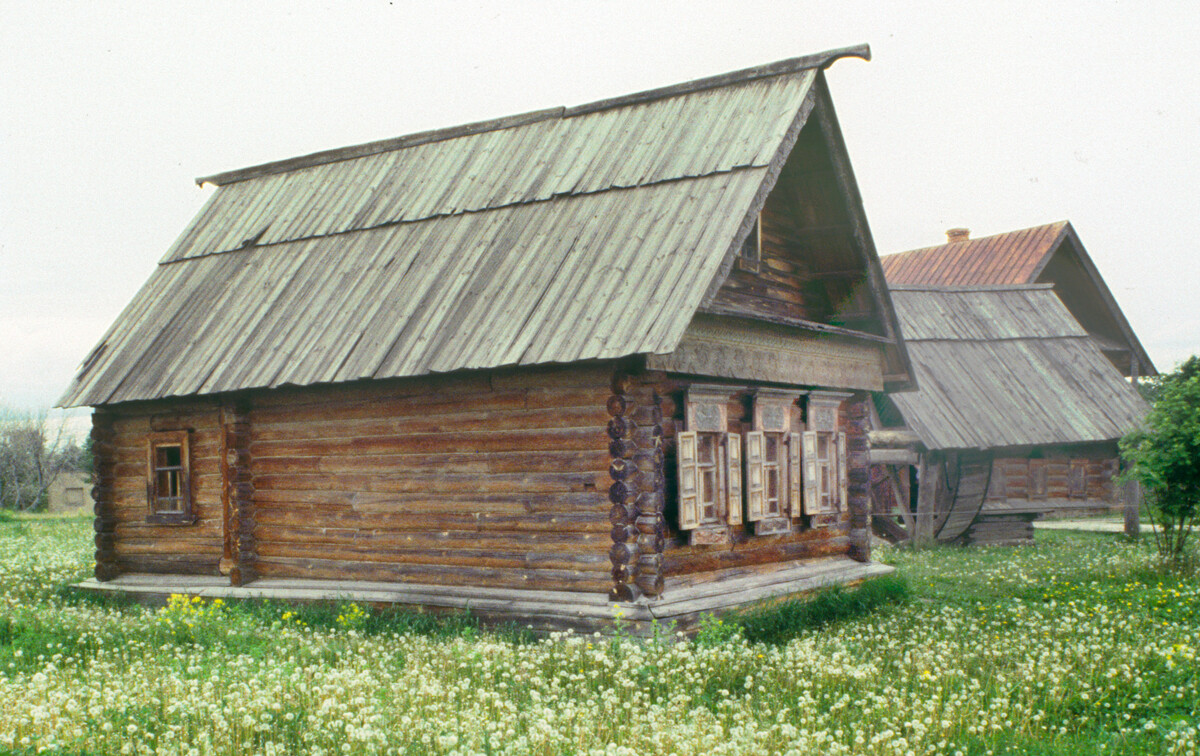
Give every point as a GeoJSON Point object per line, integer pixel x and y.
{"type": "Point", "coordinates": [683, 564]}
{"type": "Point", "coordinates": [491, 479]}
{"type": "Point", "coordinates": [139, 546]}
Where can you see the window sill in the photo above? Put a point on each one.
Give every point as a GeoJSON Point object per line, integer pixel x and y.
{"type": "Point", "coordinates": [710, 535]}
{"type": "Point", "coordinates": [172, 519]}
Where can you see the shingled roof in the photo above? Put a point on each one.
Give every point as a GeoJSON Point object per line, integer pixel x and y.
{"type": "Point", "coordinates": [1006, 366]}
{"type": "Point", "coordinates": [1050, 254]}
{"type": "Point", "coordinates": [568, 234]}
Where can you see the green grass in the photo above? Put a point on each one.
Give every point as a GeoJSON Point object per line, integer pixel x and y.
{"type": "Point", "coordinates": [1077, 645]}
{"type": "Point", "coordinates": [780, 623]}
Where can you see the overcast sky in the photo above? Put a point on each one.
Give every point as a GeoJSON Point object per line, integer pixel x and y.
{"type": "Point", "coordinates": [994, 116]}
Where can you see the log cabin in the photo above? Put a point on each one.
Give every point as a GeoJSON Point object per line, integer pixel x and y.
{"type": "Point", "coordinates": [1018, 413]}
{"type": "Point", "coordinates": [612, 355]}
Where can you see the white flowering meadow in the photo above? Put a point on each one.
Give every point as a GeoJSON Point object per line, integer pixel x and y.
{"type": "Point", "coordinates": [1075, 645]}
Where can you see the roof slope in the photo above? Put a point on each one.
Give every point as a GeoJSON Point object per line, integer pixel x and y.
{"type": "Point", "coordinates": [1006, 366]}
{"type": "Point", "coordinates": [568, 234]}
{"type": "Point", "coordinates": [1052, 254]}
{"type": "Point", "coordinates": [1015, 257]}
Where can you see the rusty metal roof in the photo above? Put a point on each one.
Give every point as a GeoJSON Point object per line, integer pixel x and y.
{"type": "Point", "coordinates": [569, 234]}
{"type": "Point", "coordinates": [1007, 366]}
{"type": "Point", "coordinates": [1015, 257]}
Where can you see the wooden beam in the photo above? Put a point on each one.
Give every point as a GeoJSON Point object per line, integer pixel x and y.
{"type": "Point", "coordinates": [791, 65]}
{"type": "Point", "coordinates": [808, 325]}
{"type": "Point", "coordinates": [894, 457]}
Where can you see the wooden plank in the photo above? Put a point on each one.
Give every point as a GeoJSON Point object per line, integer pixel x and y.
{"type": "Point", "coordinates": [556, 579]}
{"type": "Point", "coordinates": [438, 519]}
{"type": "Point", "coordinates": [481, 463]}
{"type": "Point", "coordinates": [510, 483]}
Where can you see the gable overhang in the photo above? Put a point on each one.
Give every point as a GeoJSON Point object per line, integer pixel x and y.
{"type": "Point", "coordinates": [818, 105]}
{"type": "Point", "coordinates": [1069, 240]}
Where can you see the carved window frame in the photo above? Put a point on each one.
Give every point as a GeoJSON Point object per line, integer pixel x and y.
{"type": "Point", "coordinates": [708, 458]}
{"type": "Point", "coordinates": [169, 479]}
{"type": "Point", "coordinates": [825, 462]}
{"type": "Point", "coordinates": [773, 463]}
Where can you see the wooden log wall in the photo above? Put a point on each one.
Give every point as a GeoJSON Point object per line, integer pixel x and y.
{"type": "Point", "coordinates": [103, 494]}
{"type": "Point", "coordinates": [239, 557]}
{"type": "Point", "coordinates": [637, 492]}
{"type": "Point", "coordinates": [1011, 477]}
{"type": "Point", "coordinates": [1001, 530]}
{"type": "Point", "coordinates": [856, 423]}
{"type": "Point", "coordinates": [494, 479]}
{"type": "Point", "coordinates": [139, 546]}
{"type": "Point", "coordinates": [683, 564]}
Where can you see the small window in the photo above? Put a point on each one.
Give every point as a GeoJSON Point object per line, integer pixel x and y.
{"type": "Point", "coordinates": [750, 256]}
{"type": "Point", "coordinates": [709, 468]}
{"type": "Point", "coordinates": [772, 463]}
{"type": "Point", "coordinates": [168, 486]}
{"type": "Point", "coordinates": [826, 472]}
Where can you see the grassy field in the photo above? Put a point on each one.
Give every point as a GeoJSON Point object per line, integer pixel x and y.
{"type": "Point", "coordinates": [1074, 646]}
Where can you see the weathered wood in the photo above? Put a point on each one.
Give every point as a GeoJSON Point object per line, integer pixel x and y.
{"type": "Point", "coordinates": [930, 482]}
{"type": "Point", "coordinates": [783, 549]}
{"type": "Point", "coordinates": [103, 437]}
{"type": "Point", "coordinates": [437, 573]}
{"type": "Point", "coordinates": [453, 464]}
{"type": "Point", "coordinates": [1131, 508]}
{"type": "Point", "coordinates": [452, 423]}
{"type": "Point", "coordinates": [893, 439]}
{"type": "Point", "coordinates": [435, 559]}
{"type": "Point", "coordinates": [894, 457]}
{"type": "Point", "coordinates": [520, 519]}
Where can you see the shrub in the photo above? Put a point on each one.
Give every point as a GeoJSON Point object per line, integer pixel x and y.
{"type": "Point", "coordinates": [1164, 456]}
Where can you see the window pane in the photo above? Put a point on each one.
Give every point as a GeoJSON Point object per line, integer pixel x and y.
{"type": "Point", "coordinates": [708, 486]}
{"type": "Point", "coordinates": [168, 456]}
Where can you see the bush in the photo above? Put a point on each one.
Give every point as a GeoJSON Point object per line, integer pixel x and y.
{"type": "Point", "coordinates": [1164, 457]}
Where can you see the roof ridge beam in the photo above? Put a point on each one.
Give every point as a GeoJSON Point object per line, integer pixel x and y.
{"type": "Point", "coordinates": [373, 148]}
{"type": "Point", "coordinates": [788, 66]}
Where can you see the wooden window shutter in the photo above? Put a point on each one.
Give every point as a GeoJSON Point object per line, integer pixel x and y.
{"type": "Point", "coordinates": [689, 480]}
{"type": "Point", "coordinates": [733, 477]}
{"type": "Point", "coordinates": [843, 470]}
{"type": "Point", "coordinates": [756, 476]}
{"type": "Point", "coordinates": [812, 482]}
{"type": "Point", "coordinates": [794, 476]}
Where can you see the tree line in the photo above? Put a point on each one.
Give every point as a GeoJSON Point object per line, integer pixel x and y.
{"type": "Point", "coordinates": [34, 450]}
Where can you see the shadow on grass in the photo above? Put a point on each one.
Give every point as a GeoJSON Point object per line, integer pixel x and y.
{"type": "Point", "coordinates": [779, 623]}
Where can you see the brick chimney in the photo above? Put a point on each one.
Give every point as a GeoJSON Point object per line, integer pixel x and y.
{"type": "Point", "coordinates": [958, 234]}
